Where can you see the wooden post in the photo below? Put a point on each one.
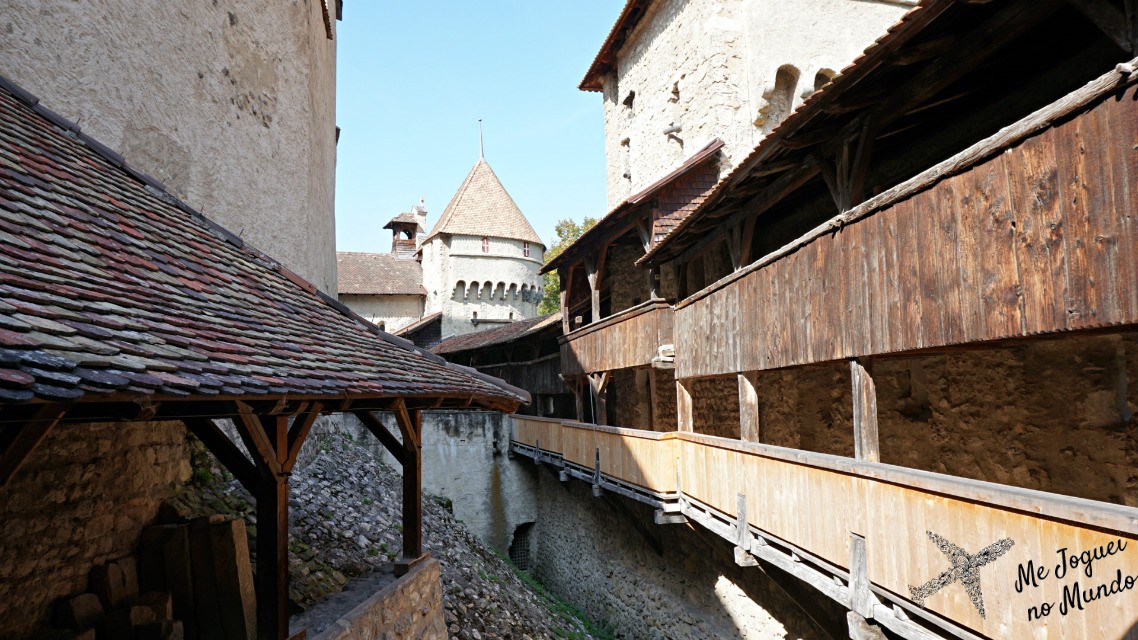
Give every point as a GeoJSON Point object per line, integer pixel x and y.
{"type": "Point", "coordinates": [274, 448]}
{"type": "Point", "coordinates": [864, 413]}
{"type": "Point", "coordinates": [653, 399]}
{"type": "Point", "coordinates": [565, 275]}
{"type": "Point", "coordinates": [599, 382]}
{"type": "Point", "coordinates": [749, 426]}
{"type": "Point", "coordinates": [410, 424]}
{"type": "Point", "coordinates": [683, 406]}
{"type": "Point", "coordinates": [594, 266]}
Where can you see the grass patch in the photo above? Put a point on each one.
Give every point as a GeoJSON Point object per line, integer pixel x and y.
{"type": "Point", "coordinates": [559, 607]}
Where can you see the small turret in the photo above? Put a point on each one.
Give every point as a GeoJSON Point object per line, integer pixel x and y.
{"type": "Point", "coordinates": [407, 231]}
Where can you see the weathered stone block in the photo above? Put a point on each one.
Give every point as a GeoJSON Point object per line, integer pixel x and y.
{"type": "Point", "coordinates": [160, 602]}
{"type": "Point", "coordinates": [82, 612]}
{"type": "Point", "coordinates": [121, 625]}
{"type": "Point", "coordinates": [233, 573]}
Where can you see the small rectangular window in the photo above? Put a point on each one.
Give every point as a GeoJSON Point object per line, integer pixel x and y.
{"type": "Point", "coordinates": [525, 249]}
{"type": "Point", "coordinates": [485, 245]}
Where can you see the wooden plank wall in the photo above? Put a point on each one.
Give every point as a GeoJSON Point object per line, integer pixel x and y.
{"type": "Point", "coordinates": [815, 502]}
{"type": "Point", "coordinates": [1039, 239]}
{"type": "Point", "coordinates": [542, 376]}
{"type": "Point", "coordinates": [629, 339]}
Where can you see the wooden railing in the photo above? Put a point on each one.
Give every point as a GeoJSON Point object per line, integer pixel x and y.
{"type": "Point", "coordinates": [868, 534]}
{"type": "Point", "coordinates": [630, 338]}
{"type": "Point", "coordinates": [1032, 231]}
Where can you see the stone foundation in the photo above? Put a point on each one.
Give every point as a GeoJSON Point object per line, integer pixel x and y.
{"type": "Point", "coordinates": [411, 608]}
{"type": "Point", "coordinates": [81, 499]}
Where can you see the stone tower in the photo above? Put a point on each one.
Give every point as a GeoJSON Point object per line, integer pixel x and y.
{"type": "Point", "coordinates": [230, 103]}
{"type": "Point", "coordinates": [481, 259]}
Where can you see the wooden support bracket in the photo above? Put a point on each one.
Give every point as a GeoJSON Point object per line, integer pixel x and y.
{"type": "Point", "coordinates": [17, 441]}
{"type": "Point", "coordinates": [224, 450]}
{"type": "Point", "coordinates": [1112, 22]}
{"type": "Point", "coordinates": [379, 430]}
{"type": "Point", "coordinates": [864, 393]}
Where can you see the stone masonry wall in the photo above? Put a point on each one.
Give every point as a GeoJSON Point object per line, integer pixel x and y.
{"type": "Point", "coordinates": [82, 498]}
{"type": "Point", "coordinates": [229, 103]}
{"type": "Point", "coordinates": [411, 608]}
{"type": "Point", "coordinates": [809, 408]}
{"type": "Point", "coordinates": [711, 66]}
{"type": "Point", "coordinates": [586, 550]}
{"type": "Point", "coordinates": [627, 283]}
{"type": "Point", "coordinates": [1056, 416]}
{"type": "Point", "coordinates": [715, 406]}
{"type": "Point", "coordinates": [665, 400]}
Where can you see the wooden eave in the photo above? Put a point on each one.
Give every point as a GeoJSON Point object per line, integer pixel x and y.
{"type": "Point", "coordinates": [605, 60]}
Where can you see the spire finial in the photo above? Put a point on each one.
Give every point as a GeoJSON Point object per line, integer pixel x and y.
{"type": "Point", "coordinates": [481, 153]}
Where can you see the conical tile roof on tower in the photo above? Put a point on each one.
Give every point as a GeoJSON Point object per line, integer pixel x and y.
{"type": "Point", "coordinates": [482, 207]}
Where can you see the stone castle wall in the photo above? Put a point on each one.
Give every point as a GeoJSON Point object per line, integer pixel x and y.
{"type": "Point", "coordinates": [1054, 415]}
{"type": "Point", "coordinates": [230, 103]}
{"type": "Point", "coordinates": [81, 499]}
{"type": "Point", "coordinates": [512, 293]}
{"type": "Point", "coordinates": [411, 608]}
{"type": "Point", "coordinates": [712, 66]}
{"type": "Point", "coordinates": [586, 551]}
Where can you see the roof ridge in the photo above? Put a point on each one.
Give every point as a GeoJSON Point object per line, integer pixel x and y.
{"type": "Point", "coordinates": [488, 210]}
{"type": "Point", "coordinates": [160, 190]}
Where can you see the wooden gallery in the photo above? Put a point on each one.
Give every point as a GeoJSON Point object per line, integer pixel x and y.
{"type": "Point", "coordinates": [893, 352]}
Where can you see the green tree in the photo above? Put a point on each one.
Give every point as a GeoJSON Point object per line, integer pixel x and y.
{"type": "Point", "coordinates": [567, 232]}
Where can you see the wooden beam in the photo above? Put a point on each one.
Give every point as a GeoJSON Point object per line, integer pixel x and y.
{"type": "Point", "coordinates": [749, 424]}
{"type": "Point", "coordinates": [410, 424]}
{"type": "Point", "coordinates": [263, 451]}
{"type": "Point", "coordinates": [225, 451]}
{"type": "Point", "coordinates": [645, 234]}
{"type": "Point", "coordinates": [974, 48]}
{"type": "Point", "coordinates": [598, 382]}
{"type": "Point", "coordinates": [683, 406]}
{"type": "Point", "coordinates": [17, 441]}
{"type": "Point", "coordinates": [379, 430]}
{"type": "Point", "coordinates": [565, 276]}
{"type": "Point", "coordinates": [864, 413]}
{"type": "Point", "coordinates": [1108, 19]}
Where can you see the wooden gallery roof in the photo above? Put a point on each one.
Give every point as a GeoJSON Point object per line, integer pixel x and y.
{"type": "Point", "coordinates": [942, 59]}
{"type": "Point", "coordinates": [111, 289]}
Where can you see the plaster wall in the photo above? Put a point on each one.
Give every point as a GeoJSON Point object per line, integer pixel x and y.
{"type": "Point", "coordinates": [229, 103]}
{"type": "Point", "coordinates": [394, 312]}
{"type": "Point", "coordinates": [711, 66]}
{"type": "Point", "coordinates": [465, 459]}
{"type": "Point", "coordinates": [461, 280]}
{"type": "Point", "coordinates": [81, 499]}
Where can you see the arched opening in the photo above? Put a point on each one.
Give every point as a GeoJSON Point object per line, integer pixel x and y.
{"type": "Point", "coordinates": [500, 292]}
{"type": "Point", "coordinates": [520, 546]}
{"type": "Point", "coordinates": [514, 291]}
{"type": "Point", "coordinates": [488, 289]}
{"type": "Point", "coordinates": [460, 291]}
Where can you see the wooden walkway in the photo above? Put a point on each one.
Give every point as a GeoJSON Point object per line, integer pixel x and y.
{"type": "Point", "coordinates": [923, 554]}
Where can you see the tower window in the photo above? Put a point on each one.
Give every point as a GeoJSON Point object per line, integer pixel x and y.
{"type": "Point", "coordinates": [525, 249]}
{"type": "Point", "coordinates": [485, 245]}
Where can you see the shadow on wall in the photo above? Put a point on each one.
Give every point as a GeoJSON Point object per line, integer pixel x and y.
{"type": "Point", "coordinates": [607, 556]}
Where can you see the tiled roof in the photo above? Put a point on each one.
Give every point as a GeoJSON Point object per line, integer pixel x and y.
{"type": "Point", "coordinates": [418, 324]}
{"type": "Point", "coordinates": [378, 274]}
{"type": "Point", "coordinates": [506, 333]}
{"type": "Point", "coordinates": [481, 207]}
{"type": "Point", "coordinates": [110, 288]}
{"type": "Point", "coordinates": [605, 59]}
{"type": "Point", "coordinates": [673, 217]}
{"type": "Point", "coordinates": [406, 217]}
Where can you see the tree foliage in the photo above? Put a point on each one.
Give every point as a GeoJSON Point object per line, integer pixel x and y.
{"type": "Point", "coordinates": [567, 232]}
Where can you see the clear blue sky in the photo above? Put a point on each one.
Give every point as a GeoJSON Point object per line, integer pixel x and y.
{"type": "Point", "coordinates": [415, 77]}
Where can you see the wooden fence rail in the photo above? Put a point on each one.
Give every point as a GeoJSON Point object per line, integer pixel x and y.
{"type": "Point", "coordinates": [630, 338]}
{"type": "Point", "coordinates": [1027, 563]}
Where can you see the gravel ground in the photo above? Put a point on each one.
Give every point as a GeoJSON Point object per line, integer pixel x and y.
{"type": "Point", "coordinates": [345, 531]}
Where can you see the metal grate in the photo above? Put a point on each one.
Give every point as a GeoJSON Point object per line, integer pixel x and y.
{"type": "Point", "coordinates": [519, 546]}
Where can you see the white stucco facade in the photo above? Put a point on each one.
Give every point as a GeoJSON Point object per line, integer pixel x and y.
{"type": "Point", "coordinates": [388, 312]}
{"type": "Point", "coordinates": [728, 69]}
{"type": "Point", "coordinates": [229, 103]}
{"type": "Point", "coordinates": [476, 289]}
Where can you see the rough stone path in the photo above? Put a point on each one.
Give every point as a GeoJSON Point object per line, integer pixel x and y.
{"type": "Point", "coordinates": [345, 514]}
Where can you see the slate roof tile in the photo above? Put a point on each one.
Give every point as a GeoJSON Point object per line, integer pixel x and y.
{"type": "Point", "coordinates": [110, 285]}
{"type": "Point", "coordinates": [482, 207]}
{"type": "Point", "coordinates": [360, 273]}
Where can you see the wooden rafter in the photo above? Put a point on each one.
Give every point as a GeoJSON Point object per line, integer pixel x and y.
{"type": "Point", "coordinates": [1108, 19]}
{"type": "Point", "coordinates": [17, 441]}
{"type": "Point", "coordinates": [224, 450]}
{"type": "Point", "coordinates": [379, 430]}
